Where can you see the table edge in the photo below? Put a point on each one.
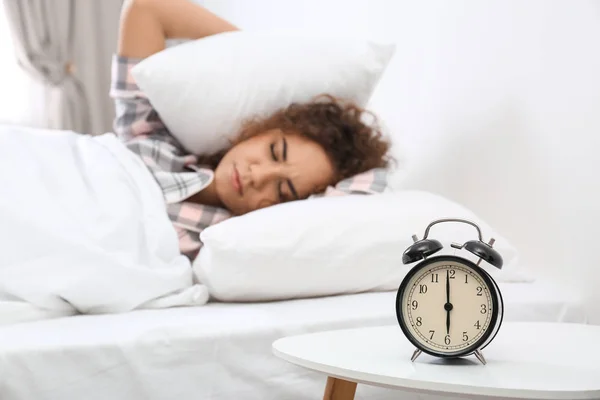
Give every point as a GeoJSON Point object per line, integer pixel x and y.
{"type": "Point", "coordinates": [433, 387]}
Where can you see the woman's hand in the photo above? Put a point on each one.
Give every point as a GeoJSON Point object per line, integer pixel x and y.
{"type": "Point", "coordinates": [146, 24]}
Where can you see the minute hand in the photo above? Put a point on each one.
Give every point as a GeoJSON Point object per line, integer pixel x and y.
{"type": "Point", "coordinates": [447, 287]}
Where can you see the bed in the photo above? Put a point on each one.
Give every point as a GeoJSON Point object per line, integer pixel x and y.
{"type": "Point", "coordinates": [219, 351]}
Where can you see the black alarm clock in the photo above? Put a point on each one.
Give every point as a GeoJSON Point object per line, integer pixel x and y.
{"type": "Point", "coordinates": [448, 306]}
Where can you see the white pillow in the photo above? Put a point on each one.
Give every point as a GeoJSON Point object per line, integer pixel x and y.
{"type": "Point", "coordinates": [204, 89]}
{"type": "Point", "coordinates": [333, 245]}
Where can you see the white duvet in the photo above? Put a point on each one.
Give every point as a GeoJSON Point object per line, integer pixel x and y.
{"type": "Point", "coordinates": [83, 229]}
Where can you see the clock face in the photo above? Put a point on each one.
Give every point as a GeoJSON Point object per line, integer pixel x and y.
{"type": "Point", "coordinates": [447, 306]}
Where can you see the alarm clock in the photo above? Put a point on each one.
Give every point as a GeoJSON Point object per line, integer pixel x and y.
{"type": "Point", "coordinates": [448, 306]}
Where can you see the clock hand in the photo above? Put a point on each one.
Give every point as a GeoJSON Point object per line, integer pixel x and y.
{"type": "Point", "coordinates": [448, 305]}
{"type": "Point", "coordinates": [447, 286]}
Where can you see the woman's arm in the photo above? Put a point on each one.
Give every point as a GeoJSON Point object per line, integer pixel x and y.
{"type": "Point", "coordinates": [146, 24]}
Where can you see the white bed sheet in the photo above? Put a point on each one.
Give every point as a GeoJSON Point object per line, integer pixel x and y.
{"type": "Point", "coordinates": [219, 351]}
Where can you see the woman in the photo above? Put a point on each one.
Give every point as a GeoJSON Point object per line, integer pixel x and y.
{"type": "Point", "coordinates": [296, 152]}
{"type": "Point", "coordinates": [84, 227]}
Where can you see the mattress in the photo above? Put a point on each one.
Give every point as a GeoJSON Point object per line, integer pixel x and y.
{"type": "Point", "coordinates": [218, 351]}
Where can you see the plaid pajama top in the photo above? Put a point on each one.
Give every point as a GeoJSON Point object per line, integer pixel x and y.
{"type": "Point", "coordinates": [138, 125]}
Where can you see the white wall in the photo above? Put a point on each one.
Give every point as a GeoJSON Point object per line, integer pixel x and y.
{"type": "Point", "coordinates": [516, 84]}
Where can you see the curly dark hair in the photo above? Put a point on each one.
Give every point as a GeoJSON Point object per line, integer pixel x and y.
{"type": "Point", "coordinates": [352, 145]}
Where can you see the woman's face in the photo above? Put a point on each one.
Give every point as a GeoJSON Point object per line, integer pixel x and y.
{"type": "Point", "coordinates": [271, 168]}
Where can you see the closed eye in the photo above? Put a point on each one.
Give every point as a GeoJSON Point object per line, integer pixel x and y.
{"type": "Point", "coordinates": [273, 152]}
{"type": "Point", "coordinates": [280, 192]}
{"type": "Point", "coordinates": [280, 183]}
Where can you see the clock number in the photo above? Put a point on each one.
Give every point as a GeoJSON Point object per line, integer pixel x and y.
{"type": "Point", "coordinates": [415, 304]}
{"type": "Point", "coordinates": [466, 278]}
{"type": "Point", "coordinates": [434, 278]}
{"type": "Point", "coordinates": [479, 291]}
{"type": "Point", "coordinates": [452, 273]}
{"type": "Point", "coordinates": [422, 288]}
{"type": "Point", "coordinates": [447, 339]}
{"type": "Point", "coordinates": [483, 308]}
{"type": "Point", "coordinates": [465, 337]}
{"type": "Point", "coordinates": [432, 333]}
{"type": "Point", "coordinates": [477, 325]}
{"type": "Point", "coordinates": [419, 321]}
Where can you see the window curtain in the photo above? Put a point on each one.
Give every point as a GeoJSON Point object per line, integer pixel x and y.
{"type": "Point", "coordinates": [43, 36]}
{"type": "Point", "coordinates": [66, 47]}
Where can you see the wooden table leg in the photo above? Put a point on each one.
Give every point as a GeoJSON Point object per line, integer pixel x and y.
{"type": "Point", "coordinates": [339, 389]}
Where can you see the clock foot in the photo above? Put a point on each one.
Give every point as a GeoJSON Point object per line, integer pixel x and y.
{"type": "Point", "coordinates": [480, 357]}
{"type": "Point", "coordinates": [415, 355]}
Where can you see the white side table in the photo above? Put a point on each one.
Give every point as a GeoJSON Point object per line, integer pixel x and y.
{"type": "Point", "coordinates": [525, 361]}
